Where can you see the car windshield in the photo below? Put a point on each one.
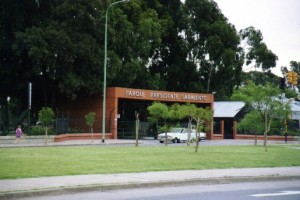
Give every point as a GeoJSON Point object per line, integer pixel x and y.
{"type": "Point", "coordinates": [176, 130]}
{"type": "Point", "coordinates": [186, 131]}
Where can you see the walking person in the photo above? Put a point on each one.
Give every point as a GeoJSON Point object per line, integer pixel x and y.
{"type": "Point", "coordinates": [19, 133]}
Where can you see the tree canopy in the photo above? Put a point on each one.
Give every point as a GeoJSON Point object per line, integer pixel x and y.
{"type": "Point", "coordinates": [46, 117]}
{"type": "Point", "coordinates": [256, 51]}
{"type": "Point", "coordinates": [58, 45]}
{"type": "Point", "coordinates": [264, 99]}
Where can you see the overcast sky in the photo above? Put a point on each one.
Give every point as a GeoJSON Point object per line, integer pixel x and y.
{"type": "Point", "coordinates": [278, 20]}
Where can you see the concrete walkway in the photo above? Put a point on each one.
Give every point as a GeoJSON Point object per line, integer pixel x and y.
{"type": "Point", "coordinates": [26, 143]}
{"type": "Point", "coordinates": [28, 187]}
{"type": "Point", "coordinates": [40, 143]}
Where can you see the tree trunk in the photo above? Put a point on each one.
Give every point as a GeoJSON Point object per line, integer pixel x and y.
{"type": "Point", "coordinates": [166, 139]}
{"type": "Point", "coordinates": [265, 141]}
{"type": "Point", "coordinates": [137, 132]}
{"type": "Point", "coordinates": [166, 135]}
{"type": "Point", "coordinates": [208, 80]}
{"type": "Point", "coordinates": [266, 132]}
{"type": "Point", "coordinates": [137, 125]}
{"type": "Point", "coordinates": [46, 136]}
{"type": "Point", "coordinates": [188, 142]}
{"type": "Point", "coordinates": [197, 142]}
{"type": "Point", "coordinates": [92, 132]}
{"type": "Point", "coordinates": [197, 135]}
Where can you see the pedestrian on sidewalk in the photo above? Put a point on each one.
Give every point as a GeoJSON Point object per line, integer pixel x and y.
{"type": "Point", "coordinates": [19, 133]}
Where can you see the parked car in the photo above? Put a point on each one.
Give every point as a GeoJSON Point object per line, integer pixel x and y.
{"type": "Point", "coordinates": [179, 135]}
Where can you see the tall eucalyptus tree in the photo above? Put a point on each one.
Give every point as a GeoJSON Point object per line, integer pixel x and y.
{"type": "Point", "coordinates": [213, 47]}
{"type": "Point", "coordinates": [256, 51]}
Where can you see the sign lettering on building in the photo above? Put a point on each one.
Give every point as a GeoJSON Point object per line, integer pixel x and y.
{"type": "Point", "coordinates": [135, 93]}
{"type": "Point", "coordinates": [160, 95]}
{"type": "Point", "coordinates": [140, 94]}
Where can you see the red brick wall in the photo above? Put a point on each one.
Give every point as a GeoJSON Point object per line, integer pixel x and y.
{"type": "Point", "coordinates": [261, 137]}
{"type": "Point", "coordinates": [77, 109]}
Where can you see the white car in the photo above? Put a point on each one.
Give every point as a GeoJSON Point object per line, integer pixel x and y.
{"type": "Point", "coordinates": [179, 135]}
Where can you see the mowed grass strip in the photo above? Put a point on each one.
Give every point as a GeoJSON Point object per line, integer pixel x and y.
{"type": "Point", "coordinates": [60, 161]}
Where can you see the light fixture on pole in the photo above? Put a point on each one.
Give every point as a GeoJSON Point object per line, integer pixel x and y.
{"type": "Point", "coordinates": [105, 63]}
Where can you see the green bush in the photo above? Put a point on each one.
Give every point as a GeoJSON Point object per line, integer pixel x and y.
{"type": "Point", "coordinates": [75, 130]}
{"type": "Point", "coordinates": [39, 130]}
{"type": "Point", "coordinates": [294, 132]}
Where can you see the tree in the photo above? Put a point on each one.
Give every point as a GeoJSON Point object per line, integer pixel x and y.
{"type": "Point", "coordinates": [46, 117]}
{"type": "Point", "coordinates": [137, 126]}
{"type": "Point", "coordinates": [186, 110]}
{"type": "Point", "coordinates": [260, 78]}
{"type": "Point", "coordinates": [253, 123]}
{"type": "Point", "coordinates": [257, 51]}
{"type": "Point", "coordinates": [202, 116]}
{"type": "Point", "coordinates": [164, 45]}
{"type": "Point", "coordinates": [212, 47]}
{"type": "Point", "coordinates": [295, 66]}
{"type": "Point", "coordinates": [63, 69]}
{"type": "Point", "coordinates": [74, 68]}
{"type": "Point", "coordinates": [134, 34]}
{"type": "Point", "coordinates": [15, 68]}
{"type": "Point", "coordinates": [265, 100]}
{"type": "Point", "coordinates": [169, 59]}
{"type": "Point", "coordinates": [160, 112]}
{"type": "Point", "coordinates": [90, 119]}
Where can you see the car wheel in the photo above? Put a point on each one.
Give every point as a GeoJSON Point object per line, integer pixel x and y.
{"type": "Point", "coordinates": [161, 141]}
{"type": "Point", "coordinates": [174, 140]}
{"type": "Point", "coordinates": [178, 140]}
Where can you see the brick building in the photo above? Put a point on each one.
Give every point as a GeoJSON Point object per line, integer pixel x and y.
{"type": "Point", "coordinates": [121, 106]}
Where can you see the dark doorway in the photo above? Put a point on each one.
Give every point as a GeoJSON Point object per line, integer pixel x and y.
{"type": "Point", "coordinates": [228, 129]}
{"type": "Point", "coordinates": [127, 110]}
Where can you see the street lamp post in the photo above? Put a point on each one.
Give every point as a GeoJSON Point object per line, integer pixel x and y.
{"type": "Point", "coordinates": [105, 63]}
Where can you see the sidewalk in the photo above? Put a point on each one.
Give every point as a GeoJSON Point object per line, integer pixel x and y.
{"type": "Point", "coordinates": [25, 143]}
{"type": "Point", "coordinates": [33, 143]}
{"type": "Point", "coordinates": [28, 187]}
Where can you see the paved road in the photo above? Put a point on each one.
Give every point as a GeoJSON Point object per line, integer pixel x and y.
{"type": "Point", "coordinates": [270, 190]}
{"type": "Point", "coordinates": [104, 182]}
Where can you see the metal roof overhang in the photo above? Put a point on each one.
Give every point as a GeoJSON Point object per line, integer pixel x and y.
{"type": "Point", "coordinates": [227, 109]}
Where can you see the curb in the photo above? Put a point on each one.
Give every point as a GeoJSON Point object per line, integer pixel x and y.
{"type": "Point", "coordinates": [102, 187]}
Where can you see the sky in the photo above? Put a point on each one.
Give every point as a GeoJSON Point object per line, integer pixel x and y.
{"type": "Point", "coordinates": [278, 20]}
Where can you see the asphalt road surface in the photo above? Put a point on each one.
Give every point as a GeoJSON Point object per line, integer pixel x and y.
{"type": "Point", "coordinates": [275, 190]}
{"type": "Point", "coordinates": [225, 142]}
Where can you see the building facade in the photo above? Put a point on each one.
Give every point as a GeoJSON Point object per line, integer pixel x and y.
{"type": "Point", "coordinates": [122, 104]}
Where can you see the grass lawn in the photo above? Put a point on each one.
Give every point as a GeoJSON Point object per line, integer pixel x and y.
{"type": "Point", "coordinates": [59, 161]}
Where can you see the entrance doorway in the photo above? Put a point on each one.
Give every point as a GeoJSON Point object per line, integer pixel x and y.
{"type": "Point", "coordinates": [228, 129]}
{"type": "Point", "coordinates": [127, 110]}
